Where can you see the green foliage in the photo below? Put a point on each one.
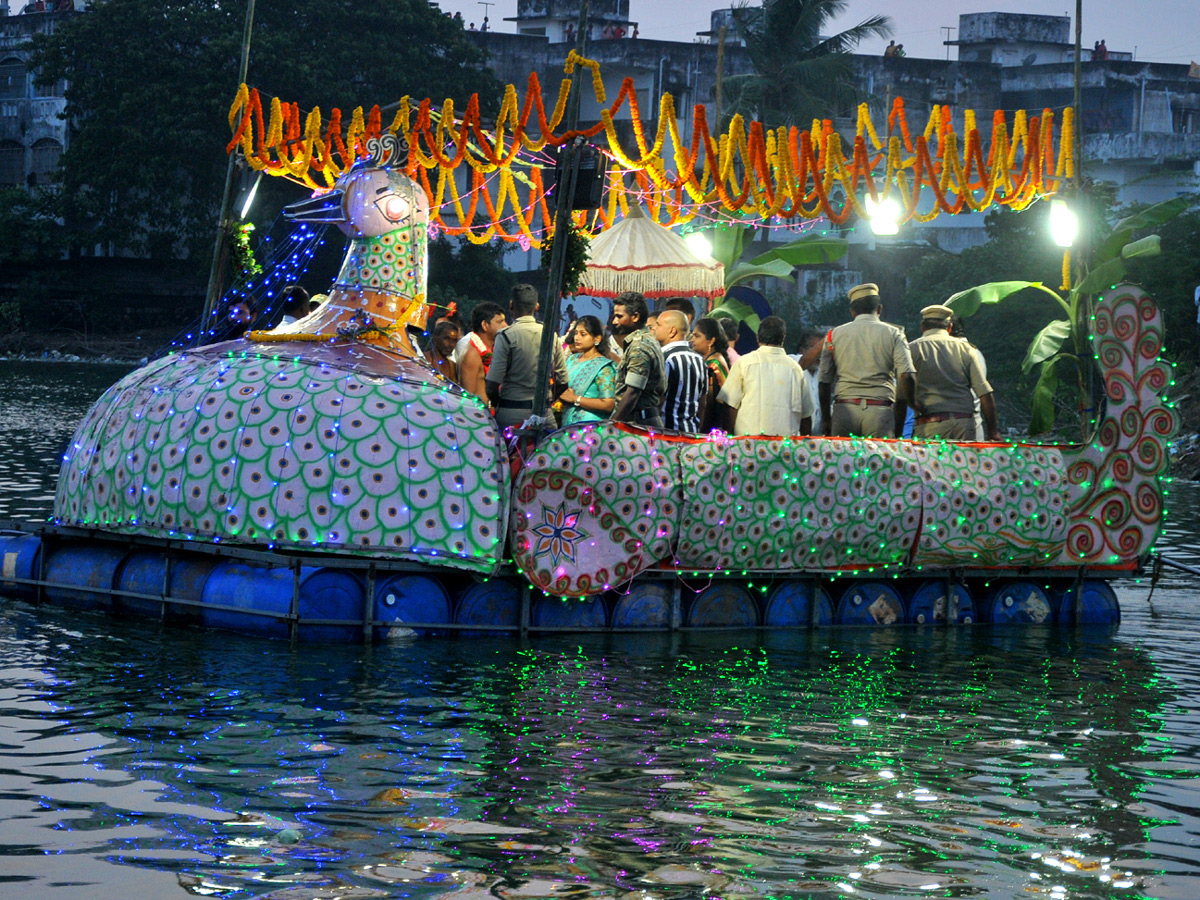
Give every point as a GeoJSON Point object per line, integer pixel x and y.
{"type": "Point", "coordinates": [1171, 279]}
{"type": "Point", "coordinates": [28, 230]}
{"type": "Point", "coordinates": [465, 274]}
{"type": "Point", "coordinates": [1063, 344]}
{"type": "Point", "coordinates": [575, 264]}
{"type": "Point", "coordinates": [10, 317]}
{"type": "Point", "coordinates": [241, 253]}
{"type": "Point", "coordinates": [800, 74]}
{"type": "Point", "coordinates": [150, 84]}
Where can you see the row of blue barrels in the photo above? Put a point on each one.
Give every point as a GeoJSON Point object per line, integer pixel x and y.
{"type": "Point", "coordinates": [235, 595]}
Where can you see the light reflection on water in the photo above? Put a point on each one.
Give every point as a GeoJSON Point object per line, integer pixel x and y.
{"type": "Point", "coordinates": [139, 762]}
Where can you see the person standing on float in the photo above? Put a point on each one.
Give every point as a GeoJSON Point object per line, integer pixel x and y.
{"type": "Point", "coordinates": [511, 379]}
{"type": "Point", "coordinates": [641, 374]}
{"type": "Point", "coordinates": [949, 378]}
{"type": "Point", "coordinates": [863, 365]}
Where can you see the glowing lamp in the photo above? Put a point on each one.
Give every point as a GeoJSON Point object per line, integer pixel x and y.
{"type": "Point", "coordinates": [698, 243]}
{"type": "Point", "coordinates": [884, 215]}
{"type": "Point", "coordinates": [1064, 224]}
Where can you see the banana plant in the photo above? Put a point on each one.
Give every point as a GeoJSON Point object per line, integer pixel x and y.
{"type": "Point", "coordinates": [728, 244]}
{"type": "Point", "coordinates": [1061, 347]}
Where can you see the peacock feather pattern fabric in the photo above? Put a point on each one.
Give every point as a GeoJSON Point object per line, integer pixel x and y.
{"type": "Point", "coordinates": [294, 452]}
{"type": "Point", "coordinates": [748, 505]}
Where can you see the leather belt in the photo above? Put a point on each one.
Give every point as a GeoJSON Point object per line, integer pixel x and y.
{"type": "Point", "coordinates": [864, 401]}
{"type": "Point", "coordinates": [514, 404]}
{"type": "Point", "coordinates": [941, 417]}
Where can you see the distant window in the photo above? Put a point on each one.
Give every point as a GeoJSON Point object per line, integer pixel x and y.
{"type": "Point", "coordinates": [12, 164]}
{"type": "Point", "coordinates": [46, 154]}
{"type": "Point", "coordinates": [12, 77]}
{"type": "Point", "coordinates": [536, 32]}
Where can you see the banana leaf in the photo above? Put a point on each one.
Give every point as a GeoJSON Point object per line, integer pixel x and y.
{"type": "Point", "coordinates": [776, 268]}
{"type": "Point", "coordinates": [810, 251]}
{"type": "Point", "coordinates": [727, 240]}
{"type": "Point", "coordinates": [1046, 343]}
{"type": "Point", "coordinates": [966, 303]}
{"type": "Point", "coordinates": [1147, 246]}
{"type": "Point", "coordinates": [738, 311]}
{"type": "Point", "coordinates": [1043, 398]}
{"type": "Point", "coordinates": [1101, 278]}
{"type": "Point", "coordinates": [1150, 217]}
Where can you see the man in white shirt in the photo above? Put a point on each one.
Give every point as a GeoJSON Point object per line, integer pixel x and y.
{"type": "Point", "coordinates": [767, 389]}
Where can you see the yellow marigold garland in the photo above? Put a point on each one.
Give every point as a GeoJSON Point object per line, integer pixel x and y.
{"type": "Point", "coordinates": [746, 169]}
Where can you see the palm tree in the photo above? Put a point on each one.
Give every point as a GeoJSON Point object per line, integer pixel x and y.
{"type": "Point", "coordinates": [799, 75]}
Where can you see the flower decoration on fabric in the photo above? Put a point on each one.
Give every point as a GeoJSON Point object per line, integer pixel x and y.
{"type": "Point", "coordinates": [558, 533]}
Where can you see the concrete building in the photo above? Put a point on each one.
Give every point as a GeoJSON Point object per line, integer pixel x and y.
{"type": "Point", "coordinates": [32, 136]}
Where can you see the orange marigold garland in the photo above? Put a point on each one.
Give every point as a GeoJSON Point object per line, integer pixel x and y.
{"type": "Point", "coordinates": [748, 169]}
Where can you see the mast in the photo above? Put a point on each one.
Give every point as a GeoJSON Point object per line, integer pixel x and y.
{"type": "Point", "coordinates": [221, 245]}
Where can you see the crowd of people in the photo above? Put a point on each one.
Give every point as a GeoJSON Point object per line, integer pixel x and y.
{"type": "Point", "coordinates": [671, 370]}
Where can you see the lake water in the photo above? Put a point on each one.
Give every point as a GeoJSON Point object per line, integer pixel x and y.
{"type": "Point", "coordinates": [139, 762]}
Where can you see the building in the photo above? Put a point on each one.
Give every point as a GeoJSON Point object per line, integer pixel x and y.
{"type": "Point", "coordinates": [33, 135]}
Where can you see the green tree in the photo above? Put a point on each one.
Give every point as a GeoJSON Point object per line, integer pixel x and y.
{"type": "Point", "coordinates": [465, 274]}
{"type": "Point", "coordinates": [799, 73]}
{"type": "Point", "coordinates": [150, 83]}
{"type": "Point", "coordinates": [29, 231]}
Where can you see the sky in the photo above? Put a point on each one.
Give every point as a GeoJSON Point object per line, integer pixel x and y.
{"type": "Point", "coordinates": [1166, 31]}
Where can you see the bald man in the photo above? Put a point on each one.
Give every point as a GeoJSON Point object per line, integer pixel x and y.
{"type": "Point", "coordinates": [687, 381]}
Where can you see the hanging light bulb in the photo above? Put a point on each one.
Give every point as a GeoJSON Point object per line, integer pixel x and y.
{"type": "Point", "coordinates": [698, 243]}
{"type": "Point", "coordinates": [884, 215]}
{"type": "Point", "coordinates": [1064, 224]}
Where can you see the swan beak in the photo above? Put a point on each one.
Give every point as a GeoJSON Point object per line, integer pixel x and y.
{"type": "Point", "coordinates": [324, 208]}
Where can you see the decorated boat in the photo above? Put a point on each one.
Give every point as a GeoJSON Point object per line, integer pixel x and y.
{"type": "Point", "coordinates": [322, 481]}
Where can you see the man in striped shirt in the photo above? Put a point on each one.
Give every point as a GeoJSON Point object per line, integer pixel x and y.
{"type": "Point", "coordinates": [686, 377]}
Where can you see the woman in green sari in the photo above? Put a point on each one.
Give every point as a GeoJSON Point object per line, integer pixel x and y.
{"type": "Point", "coordinates": [591, 376]}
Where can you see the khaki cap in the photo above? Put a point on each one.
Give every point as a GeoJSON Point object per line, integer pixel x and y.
{"type": "Point", "coordinates": [937, 311]}
{"type": "Point", "coordinates": [863, 290]}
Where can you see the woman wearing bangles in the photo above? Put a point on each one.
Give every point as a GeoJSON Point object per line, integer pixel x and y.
{"type": "Point", "coordinates": [591, 376]}
{"type": "Point", "coordinates": [708, 339]}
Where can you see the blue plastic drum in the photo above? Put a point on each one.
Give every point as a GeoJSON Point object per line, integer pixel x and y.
{"type": "Point", "coordinates": [870, 603]}
{"type": "Point", "coordinates": [404, 598]}
{"type": "Point", "coordinates": [86, 573]}
{"type": "Point", "coordinates": [927, 604]}
{"type": "Point", "coordinates": [723, 605]}
{"type": "Point", "coordinates": [565, 614]}
{"type": "Point", "coordinates": [1097, 605]}
{"type": "Point", "coordinates": [254, 594]}
{"type": "Point", "coordinates": [19, 557]}
{"type": "Point", "coordinates": [331, 595]}
{"type": "Point", "coordinates": [1018, 602]}
{"type": "Point", "coordinates": [646, 605]}
{"type": "Point", "coordinates": [494, 602]}
{"type": "Point", "coordinates": [790, 605]}
{"type": "Point", "coordinates": [144, 572]}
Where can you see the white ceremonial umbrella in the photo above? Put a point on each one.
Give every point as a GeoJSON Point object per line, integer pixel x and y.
{"type": "Point", "coordinates": [638, 254]}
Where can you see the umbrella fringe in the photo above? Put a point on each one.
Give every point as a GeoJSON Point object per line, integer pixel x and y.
{"type": "Point", "coordinates": [654, 281]}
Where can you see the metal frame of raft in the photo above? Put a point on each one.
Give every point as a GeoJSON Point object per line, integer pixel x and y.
{"type": "Point", "coordinates": [345, 599]}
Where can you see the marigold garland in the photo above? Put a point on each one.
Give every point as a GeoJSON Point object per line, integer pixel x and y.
{"type": "Point", "coordinates": [749, 169]}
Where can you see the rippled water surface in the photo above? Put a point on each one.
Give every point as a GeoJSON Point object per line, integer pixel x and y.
{"type": "Point", "coordinates": [138, 762]}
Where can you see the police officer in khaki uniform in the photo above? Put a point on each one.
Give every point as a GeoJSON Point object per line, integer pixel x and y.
{"type": "Point", "coordinates": [949, 377]}
{"type": "Point", "coordinates": [863, 364]}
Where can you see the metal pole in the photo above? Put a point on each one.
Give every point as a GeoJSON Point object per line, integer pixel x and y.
{"type": "Point", "coordinates": [565, 193]}
{"type": "Point", "coordinates": [221, 244]}
{"type": "Point", "coordinates": [720, 69]}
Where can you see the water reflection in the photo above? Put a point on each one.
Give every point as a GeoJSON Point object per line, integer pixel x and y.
{"type": "Point", "coordinates": [40, 405]}
{"type": "Point", "coordinates": [957, 762]}
{"type": "Point", "coordinates": [962, 762]}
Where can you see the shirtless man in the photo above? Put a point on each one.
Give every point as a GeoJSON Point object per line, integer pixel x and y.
{"type": "Point", "coordinates": [487, 321]}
